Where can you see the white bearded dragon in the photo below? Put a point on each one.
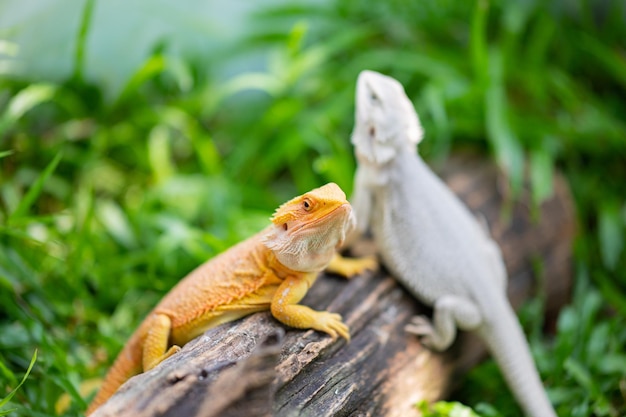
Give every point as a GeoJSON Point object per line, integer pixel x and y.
{"type": "Point", "coordinates": [431, 242]}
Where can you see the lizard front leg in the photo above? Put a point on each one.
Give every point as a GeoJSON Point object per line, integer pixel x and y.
{"type": "Point", "coordinates": [450, 312]}
{"type": "Point", "coordinates": [156, 341]}
{"type": "Point", "coordinates": [349, 267]}
{"type": "Point", "coordinates": [285, 308]}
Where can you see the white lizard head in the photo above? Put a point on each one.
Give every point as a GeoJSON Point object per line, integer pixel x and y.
{"type": "Point", "coordinates": [385, 119]}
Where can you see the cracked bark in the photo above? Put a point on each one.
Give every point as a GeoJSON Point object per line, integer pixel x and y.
{"type": "Point", "coordinates": [257, 367]}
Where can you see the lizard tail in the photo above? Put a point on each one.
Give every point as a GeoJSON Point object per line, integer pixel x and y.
{"type": "Point", "coordinates": [126, 365]}
{"type": "Point", "coordinates": [507, 343]}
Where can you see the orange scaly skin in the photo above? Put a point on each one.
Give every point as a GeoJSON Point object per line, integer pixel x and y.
{"type": "Point", "coordinates": [271, 270]}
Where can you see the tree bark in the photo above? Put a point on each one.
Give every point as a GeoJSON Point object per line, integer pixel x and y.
{"type": "Point", "coordinates": [257, 367]}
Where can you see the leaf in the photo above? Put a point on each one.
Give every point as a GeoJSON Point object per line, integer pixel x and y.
{"type": "Point", "coordinates": [597, 344]}
{"type": "Point", "coordinates": [267, 83]}
{"type": "Point", "coordinates": [580, 374]}
{"type": "Point", "coordinates": [415, 63]}
{"type": "Point", "coordinates": [35, 190]}
{"type": "Point", "coordinates": [589, 308]}
{"type": "Point", "coordinates": [181, 73]}
{"type": "Point", "coordinates": [24, 101]}
{"type": "Point", "coordinates": [610, 59]}
{"type": "Point", "coordinates": [515, 16]}
{"type": "Point", "coordinates": [507, 147]}
{"type": "Point", "coordinates": [567, 323]}
{"type": "Point", "coordinates": [541, 174]}
{"type": "Point", "coordinates": [296, 37]}
{"type": "Point", "coordinates": [434, 100]}
{"type": "Point", "coordinates": [7, 373]}
{"type": "Point", "coordinates": [612, 363]}
{"type": "Point", "coordinates": [445, 409]}
{"type": "Point", "coordinates": [12, 393]}
{"type": "Point", "coordinates": [487, 410]}
{"type": "Point", "coordinates": [610, 231]}
{"type": "Point", "coordinates": [189, 196]}
{"type": "Point", "coordinates": [159, 153]}
{"type": "Point", "coordinates": [478, 40]}
{"type": "Point", "coordinates": [153, 66]}
{"type": "Point", "coordinates": [611, 291]}
{"type": "Point", "coordinates": [81, 40]}
{"type": "Point", "coordinates": [116, 223]}
{"type": "Point", "coordinates": [28, 98]}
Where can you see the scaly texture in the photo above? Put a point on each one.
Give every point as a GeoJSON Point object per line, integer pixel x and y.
{"type": "Point", "coordinates": [430, 240]}
{"type": "Point", "coordinates": [269, 271]}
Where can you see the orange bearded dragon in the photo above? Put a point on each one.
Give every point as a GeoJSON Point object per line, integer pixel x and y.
{"type": "Point", "coordinates": [271, 270]}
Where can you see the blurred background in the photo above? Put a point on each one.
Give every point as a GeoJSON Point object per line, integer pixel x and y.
{"type": "Point", "coordinates": [137, 139]}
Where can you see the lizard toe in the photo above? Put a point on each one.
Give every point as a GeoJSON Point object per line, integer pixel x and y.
{"type": "Point", "coordinates": [332, 324]}
{"type": "Point", "coordinates": [420, 326]}
{"type": "Point", "coordinates": [343, 330]}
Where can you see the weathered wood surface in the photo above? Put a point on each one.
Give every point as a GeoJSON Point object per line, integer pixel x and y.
{"type": "Point", "coordinates": [257, 367]}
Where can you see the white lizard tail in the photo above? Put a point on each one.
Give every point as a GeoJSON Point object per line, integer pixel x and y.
{"type": "Point", "coordinates": [506, 342]}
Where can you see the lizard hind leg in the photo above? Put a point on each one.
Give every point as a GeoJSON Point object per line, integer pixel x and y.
{"type": "Point", "coordinates": [450, 312]}
{"type": "Point", "coordinates": [155, 344]}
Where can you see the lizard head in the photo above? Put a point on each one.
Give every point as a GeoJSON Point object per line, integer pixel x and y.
{"type": "Point", "coordinates": [307, 230]}
{"type": "Point", "coordinates": [385, 119]}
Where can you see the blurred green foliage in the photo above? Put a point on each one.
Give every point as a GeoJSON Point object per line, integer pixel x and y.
{"type": "Point", "coordinates": [105, 203]}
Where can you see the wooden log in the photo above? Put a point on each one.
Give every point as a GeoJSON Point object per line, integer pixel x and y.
{"type": "Point", "coordinates": [258, 367]}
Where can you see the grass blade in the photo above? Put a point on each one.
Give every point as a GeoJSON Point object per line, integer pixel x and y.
{"type": "Point", "coordinates": [478, 40]}
{"type": "Point", "coordinates": [12, 393]}
{"type": "Point", "coordinates": [159, 154]}
{"type": "Point", "coordinates": [35, 190]}
{"type": "Point", "coordinates": [610, 234]}
{"type": "Point", "coordinates": [508, 149]}
{"type": "Point", "coordinates": [81, 40]}
{"type": "Point", "coordinates": [23, 101]}
{"type": "Point", "coordinates": [541, 173]}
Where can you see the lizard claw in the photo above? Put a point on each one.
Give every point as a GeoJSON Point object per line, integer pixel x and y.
{"type": "Point", "coordinates": [422, 327]}
{"type": "Point", "coordinates": [332, 324]}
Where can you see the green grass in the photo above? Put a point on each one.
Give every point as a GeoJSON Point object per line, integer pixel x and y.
{"type": "Point", "coordinates": [106, 203]}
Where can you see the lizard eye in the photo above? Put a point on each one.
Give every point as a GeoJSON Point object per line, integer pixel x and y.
{"type": "Point", "coordinates": [307, 205]}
